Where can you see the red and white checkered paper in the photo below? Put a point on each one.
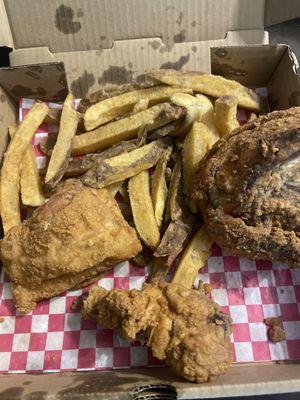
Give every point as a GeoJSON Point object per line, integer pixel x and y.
{"type": "Point", "coordinates": [53, 337]}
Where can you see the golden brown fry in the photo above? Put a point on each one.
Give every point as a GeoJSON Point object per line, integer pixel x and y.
{"type": "Point", "coordinates": [159, 190]}
{"type": "Point", "coordinates": [104, 111]}
{"type": "Point", "coordinates": [30, 182]}
{"type": "Point", "coordinates": [252, 117]}
{"type": "Point", "coordinates": [211, 85]}
{"type": "Point", "coordinates": [196, 144]}
{"type": "Point", "coordinates": [208, 117]}
{"type": "Point", "coordinates": [174, 238]}
{"type": "Point", "coordinates": [142, 209]}
{"type": "Point", "coordinates": [124, 129]}
{"type": "Point", "coordinates": [225, 114]}
{"type": "Point", "coordinates": [140, 105]}
{"type": "Point", "coordinates": [114, 188]}
{"type": "Point", "coordinates": [62, 148]}
{"type": "Point", "coordinates": [193, 258]}
{"type": "Point", "coordinates": [194, 108]}
{"type": "Point", "coordinates": [126, 165]}
{"type": "Point", "coordinates": [10, 173]}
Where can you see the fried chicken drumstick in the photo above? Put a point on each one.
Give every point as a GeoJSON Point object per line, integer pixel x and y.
{"type": "Point", "coordinates": [248, 189]}
{"type": "Point", "coordinates": [183, 327]}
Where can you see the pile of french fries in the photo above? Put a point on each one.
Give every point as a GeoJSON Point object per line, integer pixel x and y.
{"type": "Point", "coordinates": [143, 144]}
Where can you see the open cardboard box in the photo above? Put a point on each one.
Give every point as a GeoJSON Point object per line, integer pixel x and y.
{"type": "Point", "coordinates": [83, 45]}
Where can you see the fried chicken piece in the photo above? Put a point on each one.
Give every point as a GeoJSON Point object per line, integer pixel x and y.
{"type": "Point", "coordinates": [248, 189]}
{"type": "Point", "coordinates": [79, 233]}
{"type": "Point", "coordinates": [183, 327]}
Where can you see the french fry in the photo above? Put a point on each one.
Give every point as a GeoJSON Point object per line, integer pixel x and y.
{"type": "Point", "coordinates": [225, 114]}
{"type": "Point", "coordinates": [208, 117]}
{"type": "Point", "coordinates": [62, 149]}
{"type": "Point", "coordinates": [114, 188]}
{"type": "Point", "coordinates": [142, 209]}
{"type": "Point", "coordinates": [196, 144]}
{"type": "Point", "coordinates": [193, 258]}
{"type": "Point", "coordinates": [10, 173]}
{"type": "Point", "coordinates": [194, 108]}
{"type": "Point", "coordinates": [177, 201]}
{"type": "Point", "coordinates": [211, 85]}
{"type": "Point", "coordinates": [125, 165]}
{"type": "Point", "coordinates": [104, 111]}
{"type": "Point", "coordinates": [30, 182]}
{"type": "Point", "coordinates": [174, 239]}
{"type": "Point", "coordinates": [140, 105]}
{"type": "Point", "coordinates": [77, 167]}
{"type": "Point", "coordinates": [127, 128]}
{"type": "Point", "coordinates": [159, 190]}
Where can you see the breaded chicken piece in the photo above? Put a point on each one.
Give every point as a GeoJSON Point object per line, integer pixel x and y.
{"type": "Point", "coordinates": [248, 189]}
{"type": "Point", "coordinates": [78, 234]}
{"type": "Point", "coordinates": [183, 327]}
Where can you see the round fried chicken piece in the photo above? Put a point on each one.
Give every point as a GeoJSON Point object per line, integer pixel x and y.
{"type": "Point", "coordinates": [248, 189]}
{"type": "Point", "coordinates": [183, 327]}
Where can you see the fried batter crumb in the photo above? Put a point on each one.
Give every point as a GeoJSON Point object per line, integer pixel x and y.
{"type": "Point", "coordinates": [276, 334]}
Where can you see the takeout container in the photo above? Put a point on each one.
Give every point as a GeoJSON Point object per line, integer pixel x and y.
{"type": "Point", "coordinates": [83, 45]}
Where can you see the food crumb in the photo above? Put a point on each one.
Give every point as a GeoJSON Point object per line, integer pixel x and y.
{"type": "Point", "coordinates": [76, 303]}
{"type": "Point", "coordinates": [207, 288]}
{"type": "Point", "coordinates": [1, 319]}
{"type": "Point", "coordinates": [273, 321]}
{"type": "Point", "coordinates": [276, 334]}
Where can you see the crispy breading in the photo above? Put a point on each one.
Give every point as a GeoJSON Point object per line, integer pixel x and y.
{"type": "Point", "coordinates": [183, 327]}
{"type": "Point", "coordinates": [247, 188]}
{"type": "Point", "coordinates": [78, 229]}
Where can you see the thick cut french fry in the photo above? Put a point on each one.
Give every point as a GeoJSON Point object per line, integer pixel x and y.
{"type": "Point", "coordinates": [142, 209]}
{"type": "Point", "coordinates": [174, 239]}
{"type": "Point", "coordinates": [193, 258]}
{"type": "Point", "coordinates": [211, 85]}
{"type": "Point", "coordinates": [208, 117]}
{"type": "Point", "coordinates": [62, 149]}
{"type": "Point", "coordinates": [225, 114]}
{"type": "Point", "coordinates": [141, 105]}
{"type": "Point", "coordinates": [103, 112]}
{"type": "Point", "coordinates": [10, 173]}
{"type": "Point", "coordinates": [194, 108]}
{"type": "Point", "coordinates": [114, 188]}
{"type": "Point", "coordinates": [159, 190]}
{"type": "Point", "coordinates": [127, 128]}
{"type": "Point", "coordinates": [126, 165]}
{"type": "Point", "coordinates": [177, 201]}
{"type": "Point", "coordinates": [196, 144]}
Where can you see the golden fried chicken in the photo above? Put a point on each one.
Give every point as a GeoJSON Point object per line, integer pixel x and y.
{"type": "Point", "coordinates": [183, 327]}
{"type": "Point", "coordinates": [79, 233]}
{"type": "Point", "coordinates": [248, 189]}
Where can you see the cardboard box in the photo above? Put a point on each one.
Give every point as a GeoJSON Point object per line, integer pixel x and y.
{"type": "Point", "coordinates": [80, 46]}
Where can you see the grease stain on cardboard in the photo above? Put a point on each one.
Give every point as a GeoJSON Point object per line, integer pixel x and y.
{"type": "Point", "coordinates": [116, 74]}
{"type": "Point", "coordinates": [33, 75]}
{"type": "Point", "coordinates": [176, 64]}
{"type": "Point", "coordinates": [64, 20]}
{"type": "Point", "coordinates": [179, 37]}
{"type": "Point", "coordinates": [81, 85]}
{"type": "Point", "coordinates": [2, 98]}
{"type": "Point", "coordinates": [155, 44]}
{"type": "Point", "coordinates": [228, 70]}
{"type": "Point", "coordinates": [179, 19]}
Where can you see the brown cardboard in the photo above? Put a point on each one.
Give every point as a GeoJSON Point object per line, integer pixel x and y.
{"type": "Point", "coordinates": [90, 62]}
{"type": "Point", "coordinates": [241, 380]}
{"type": "Point", "coordinates": [277, 11]}
{"type": "Point", "coordinates": [88, 70]}
{"type": "Point", "coordinates": [75, 25]}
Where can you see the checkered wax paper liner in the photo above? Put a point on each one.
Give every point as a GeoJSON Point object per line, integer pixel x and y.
{"type": "Point", "coordinates": [53, 337]}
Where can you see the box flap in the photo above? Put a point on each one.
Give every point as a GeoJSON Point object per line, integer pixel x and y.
{"type": "Point", "coordinates": [5, 32]}
{"type": "Point", "coordinates": [127, 60]}
{"type": "Point", "coordinates": [278, 11]}
{"type": "Point", "coordinates": [76, 25]}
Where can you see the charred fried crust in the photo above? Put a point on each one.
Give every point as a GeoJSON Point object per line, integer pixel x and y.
{"type": "Point", "coordinates": [248, 189]}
